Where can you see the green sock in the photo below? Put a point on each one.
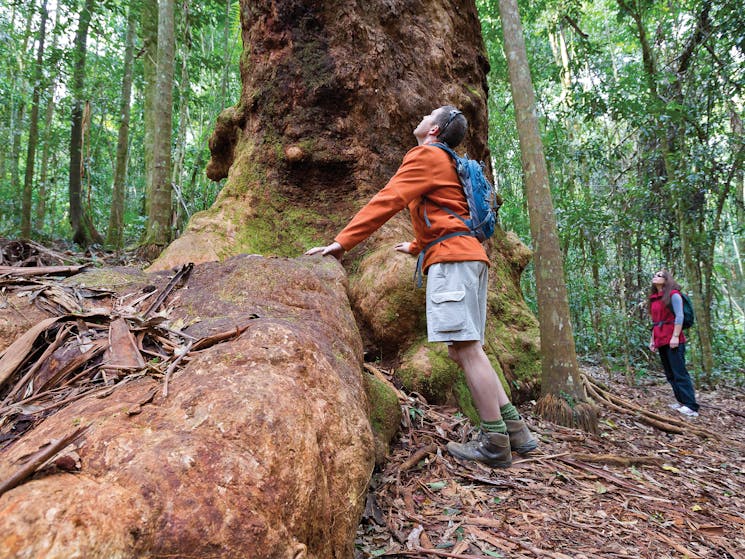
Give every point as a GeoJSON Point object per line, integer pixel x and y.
{"type": "Point", "coordinates": [497, 426]}
{"type": "Point", "coordinates": [510, 412]}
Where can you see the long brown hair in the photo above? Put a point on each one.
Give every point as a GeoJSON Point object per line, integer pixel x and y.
{"type": "Point", "coordinates": [670, 285]}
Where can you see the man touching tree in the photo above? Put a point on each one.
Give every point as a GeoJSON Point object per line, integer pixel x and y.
{"type": "Point", "coordinates": [457, 269]}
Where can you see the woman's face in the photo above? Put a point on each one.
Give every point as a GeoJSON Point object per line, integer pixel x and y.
{"type": "Point", "coordinates": [659, 279]}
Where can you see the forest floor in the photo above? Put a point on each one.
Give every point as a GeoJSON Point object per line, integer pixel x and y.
{"type": "Point", "coordinates": [634, 490]}
{"type": "Point", "coordinates": [650, 484]}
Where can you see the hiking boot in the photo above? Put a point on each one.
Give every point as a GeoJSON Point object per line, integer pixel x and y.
{"type": "Point", "coordinates": [685, 410]}
{"type": "Point", "coordinates": [492, 449]}
{"type": "Point", "coordinates": [521, 440]}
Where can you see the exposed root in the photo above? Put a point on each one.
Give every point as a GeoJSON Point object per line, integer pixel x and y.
{"type": "Point", "coordinates": [557, 410]}
{"type": "Point", "coordinates": [661, 422]}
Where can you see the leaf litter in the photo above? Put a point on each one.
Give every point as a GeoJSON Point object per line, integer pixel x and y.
{"type": "Point", "coordinates": [95, 341]}
{"type": "Point", "coordinates": [648, 485]}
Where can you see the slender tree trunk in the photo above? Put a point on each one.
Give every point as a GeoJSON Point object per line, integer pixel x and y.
{"type": "Point", "coordinates": [16, 131]}
{"type": "Point", "coordinates": [33, 132]}
{"type": "Point", "coordinates": [690, 229]}
{"type": "Point", "coordinates": [41, 206]}
{"type": "Point", "coordinates": [3, 157]}
{"type": "Point", "coordinates": [738, 240]}
{"type": "Point", "coordinates": [159, 215]}
{"type": "Point", "coordinates": [83, 232]}
{"type": "Point", "coordinates": [116, 217]}
{"type": "Point", "coordinates": [563, 398]}
{"type": "Point", "coordinates": [226, 61]}
{"type": "Point", "coordinates": [177, 178]}
{"type": "Point", "coordinates": [149, 30]}
{"type": "Point", "coordinates": [18, 113]}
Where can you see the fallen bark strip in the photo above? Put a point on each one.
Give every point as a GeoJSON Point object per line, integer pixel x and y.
{"type": "Point", "coordinates": [39, 270]}
{"type": "Point", "coordinates": [18, 351]}
{"type": "Point", "coordinates": [382, 378]}
{"type": "Point", "coordinates": [534, 550]}
{"type": "Point", "coordinates": [58, 341]}
{"type": "Point", "coordinates": [417, 456]}
{"type": "Point", "coordinates": [183, 272]}
{"type": "Point", "coordinates": [436, 552]}
{"type": "Point", "coordinates": [616, 460]}
{"type": "Point", "coordinates": [601, 473]}
{"type": "Point", "coordinates": [479, 479]}
{"type": "Point", "coordinates": [96, 347]}
{"type": "Point", "coordinates": [204, 343]}
{"type": "Point", "coordinates": [677, 547]}
{"type": "Point", "coordinates": [172, 367]}
{"type": "Point", "coordinates": [39, 459]}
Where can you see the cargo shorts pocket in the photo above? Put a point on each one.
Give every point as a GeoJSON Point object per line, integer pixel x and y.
{"type": "Point", "coordinates": [448, 311]}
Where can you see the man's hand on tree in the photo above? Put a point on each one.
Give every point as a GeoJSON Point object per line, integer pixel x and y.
{"type": "Point", "coordinates": [334, 249]}
{"type": "Point", "coordinates": [403, 247]}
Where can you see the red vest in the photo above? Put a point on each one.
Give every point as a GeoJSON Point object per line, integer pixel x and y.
{"type": "Point", "coordinates": [663, 319]}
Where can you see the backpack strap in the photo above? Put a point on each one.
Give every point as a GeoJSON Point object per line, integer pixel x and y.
{"type": "Point", "coordinates": [420, 258]}
{"type": "Point", "coordinates": [443, 146]}
{"type": "Point", "coordinates": [418, 276]}
{"type": "Point", "coordinates": [425, 199]}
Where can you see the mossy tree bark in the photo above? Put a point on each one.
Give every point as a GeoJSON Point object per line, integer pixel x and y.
{"type": "Point", "coordinates": [562, 394]}
{"type": "Point", "coordinates": [331, 94]}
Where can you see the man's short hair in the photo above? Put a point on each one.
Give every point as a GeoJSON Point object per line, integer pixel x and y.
{"type": "Point", "coordinates": [453, 125]}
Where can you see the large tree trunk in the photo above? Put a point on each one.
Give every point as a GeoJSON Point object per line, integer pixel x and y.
{"type": "Point", "coordinates": [331, 94]}
{"type": "Point", "coordinates": [116, 217]}
{"type": "Point", "coordinates": [33, 131]}
{"type": "Point", "coordinates": [561, 385]}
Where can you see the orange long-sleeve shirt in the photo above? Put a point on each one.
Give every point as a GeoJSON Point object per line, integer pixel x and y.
{"type": "Point", "coordinates": [425, 171]}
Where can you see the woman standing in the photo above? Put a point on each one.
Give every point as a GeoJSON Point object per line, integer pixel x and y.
{"type": "Point", "coordinates": [666, 310]}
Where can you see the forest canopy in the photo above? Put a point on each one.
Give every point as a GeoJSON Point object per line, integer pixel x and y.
{"type": "Point", "coordinates": [641, 107]}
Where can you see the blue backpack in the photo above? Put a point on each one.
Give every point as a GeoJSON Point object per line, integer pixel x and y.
{"type": "Point", "coordinates": [482, 204]}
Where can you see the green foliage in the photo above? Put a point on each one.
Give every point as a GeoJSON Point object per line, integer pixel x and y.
{"type": "Point", "coordinates": [618, 206]}
{"type": "Point", "coordinates": [213, 83]}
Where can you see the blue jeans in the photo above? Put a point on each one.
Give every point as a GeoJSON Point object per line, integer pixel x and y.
{"type": "Point", "coordinates": [674, 363]}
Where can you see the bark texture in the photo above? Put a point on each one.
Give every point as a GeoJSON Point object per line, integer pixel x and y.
{"type": "Point", "coordinates": [261, 450]}
{"type": "Point", "coordinates": [560, 371]}
{"type": "Point", "coordinates": [159, 210]}
{"type": "Point", "coordinates": [331, 94]}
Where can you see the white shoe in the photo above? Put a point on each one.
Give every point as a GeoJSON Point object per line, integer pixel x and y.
{"type": "Point", "coordinates": [685, 410]}
{"type": "Point", "coordinates": [675, 406]}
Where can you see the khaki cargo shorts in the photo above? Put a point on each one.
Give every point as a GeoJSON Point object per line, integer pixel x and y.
{"type": "Point", "coordinates": [456, 301]}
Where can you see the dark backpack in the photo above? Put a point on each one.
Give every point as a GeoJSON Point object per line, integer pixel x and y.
{"type": "Point", "coordinates": [482, 204]}
{"type": "Point", "coordinates": [689, 318]}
